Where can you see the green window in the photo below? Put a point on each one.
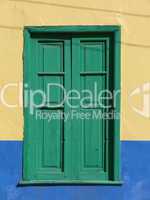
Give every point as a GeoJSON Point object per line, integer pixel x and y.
{"type": "Point", "coordinates": [83, 148]}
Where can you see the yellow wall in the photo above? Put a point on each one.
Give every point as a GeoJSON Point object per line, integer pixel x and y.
{"type": "Point", "coordinates": [133, 16]}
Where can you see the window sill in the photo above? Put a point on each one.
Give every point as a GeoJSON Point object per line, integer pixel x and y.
{"type": "Point", "coordinates": [67, 182]}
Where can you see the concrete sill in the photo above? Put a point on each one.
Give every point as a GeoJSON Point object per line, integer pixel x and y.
{"type": "Point", "coordinates": [67, 182]}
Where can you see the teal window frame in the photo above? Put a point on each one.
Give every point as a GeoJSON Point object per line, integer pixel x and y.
{"type": "Point", "coordinates": [116, 31]}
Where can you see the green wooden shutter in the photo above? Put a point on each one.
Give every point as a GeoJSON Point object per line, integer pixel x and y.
{"type": "Point", "coordinates": [77, 150]}
{"type": "Point", "coordinates": [90, 66]}
{"type": "Point", "coordinates": [47, 149]}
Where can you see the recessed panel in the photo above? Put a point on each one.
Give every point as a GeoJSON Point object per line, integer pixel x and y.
{"type": "Point", "coordinates": [53, 141]}
{"type": "Point", "coordinates": [92, 141]}
{"type": "Point", "coordinates": [53, 57]}
{"type": "Point", "coordinates": [93, 56]}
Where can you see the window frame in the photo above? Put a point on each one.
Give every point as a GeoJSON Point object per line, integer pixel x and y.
{"type": "Point", "coordinates": [116, 31]}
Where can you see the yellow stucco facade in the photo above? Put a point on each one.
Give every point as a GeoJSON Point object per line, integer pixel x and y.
{"type": "Point", "coordinates": [134, 18]}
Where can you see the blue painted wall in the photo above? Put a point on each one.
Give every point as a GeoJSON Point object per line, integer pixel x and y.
{"type": "Point", "coordinates": [135, 174]}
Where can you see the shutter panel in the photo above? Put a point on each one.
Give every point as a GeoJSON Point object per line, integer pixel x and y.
{"type": "Point", "coordinates": [47, 142]}
{"type": "Point", "coordinates": [90, 66]}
